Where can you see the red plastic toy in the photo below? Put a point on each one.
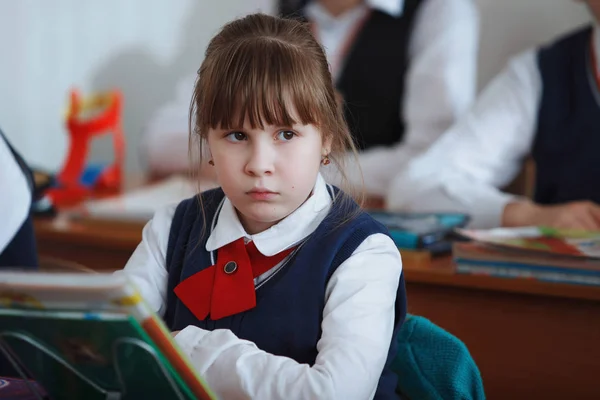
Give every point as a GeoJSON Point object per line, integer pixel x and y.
{"type": "Point", "coordinates": [88, 118]}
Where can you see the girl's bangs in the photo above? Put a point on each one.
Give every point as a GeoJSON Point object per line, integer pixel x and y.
{"type": "Point", "coordinates": [265, 83]}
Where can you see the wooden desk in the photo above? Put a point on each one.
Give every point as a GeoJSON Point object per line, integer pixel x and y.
{"type": "Point", "coordinates": [530, 339]}
{"type": "Point", "coordinates": [98, 245]}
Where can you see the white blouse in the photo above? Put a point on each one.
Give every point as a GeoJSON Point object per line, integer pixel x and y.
{"type": "Point", "coordinates": [357, 320]}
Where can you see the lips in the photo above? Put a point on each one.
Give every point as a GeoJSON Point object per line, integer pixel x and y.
{"type": "Point", "coordinates": [261, 194]}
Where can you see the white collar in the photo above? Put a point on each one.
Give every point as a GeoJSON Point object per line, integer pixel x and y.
{"type": "Point", "coordinates": [390, 7]}
{"type": "Point", "coordinates": [281, 236]}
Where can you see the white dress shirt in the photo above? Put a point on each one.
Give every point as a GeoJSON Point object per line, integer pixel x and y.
{"type": "Point", "coordinates": [440, 86]}
{"type": "Point", "coordinates": [15, 196]}
{"type": "Point", "coordinates": [357, 321]}
{"type": "Point", "coordinates": [483, 152]}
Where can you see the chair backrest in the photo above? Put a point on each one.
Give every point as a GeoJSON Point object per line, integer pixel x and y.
{"type": "Point", "coordinates": [433, 364]}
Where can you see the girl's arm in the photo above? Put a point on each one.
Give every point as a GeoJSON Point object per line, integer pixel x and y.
{"type": "Point", "coordinates": [358, 322]}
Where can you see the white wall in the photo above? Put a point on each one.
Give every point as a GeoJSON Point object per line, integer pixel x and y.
{"type": "Point", "coordinates": [510, 26]}
{"type": "Point", "coordinates": [144, 47]}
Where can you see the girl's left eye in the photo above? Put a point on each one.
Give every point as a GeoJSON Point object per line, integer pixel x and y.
{"type": "Point", "coordinates": [285, 135]}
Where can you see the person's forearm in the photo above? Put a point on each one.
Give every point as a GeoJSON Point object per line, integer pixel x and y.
{"type": "Point", "coordinates": [520, 213]}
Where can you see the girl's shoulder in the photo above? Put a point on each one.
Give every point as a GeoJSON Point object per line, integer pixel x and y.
{"type": "Point", "coordinates": [346, 209]}
{"type": "Point", "coordinates": [347, 218]}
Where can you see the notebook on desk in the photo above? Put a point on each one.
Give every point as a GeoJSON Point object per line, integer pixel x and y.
{"type": "Point", "coordinates": [139, 205]}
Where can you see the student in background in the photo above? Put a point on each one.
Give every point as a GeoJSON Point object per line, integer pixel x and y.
{"type": "Point", "coordinates": [277, 285]}
{"type": "Point", "coordinates": [546, 103]}
{"type": "Point", "coordinates": [405, 70]}
{"type": "Point", "coordinates": [17, 240]}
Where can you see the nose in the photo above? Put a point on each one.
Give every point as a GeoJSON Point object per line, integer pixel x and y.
{"type": "Point", "coordinates": [261, 159]}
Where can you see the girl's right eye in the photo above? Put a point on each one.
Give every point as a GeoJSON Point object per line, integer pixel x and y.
{"type": "Point", "coordinates": [236, 136]}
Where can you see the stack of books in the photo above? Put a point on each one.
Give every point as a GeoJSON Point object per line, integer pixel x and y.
{"type": "Point", "coordinates": [90, 336]}
{"type": "Point", "coordinates": [537, 253]}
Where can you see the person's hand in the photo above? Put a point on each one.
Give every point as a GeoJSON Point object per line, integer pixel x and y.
{"type": "Point", "coordinates": [579, 215]}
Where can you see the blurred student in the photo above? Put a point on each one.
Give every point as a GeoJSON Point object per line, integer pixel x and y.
{"type": "Point", "coordinates": [545, 104]}
{"type": "Point", "coordinates": [17, 240]}
{"type": "Point", "coordinates": [405, 70]}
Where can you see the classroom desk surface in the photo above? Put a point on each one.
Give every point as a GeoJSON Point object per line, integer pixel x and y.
{"type": "Point", "coordinates": [530, 339]}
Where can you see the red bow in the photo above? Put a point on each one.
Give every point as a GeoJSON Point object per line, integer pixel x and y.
{"type": "Point", "coordinates": [227, 287]}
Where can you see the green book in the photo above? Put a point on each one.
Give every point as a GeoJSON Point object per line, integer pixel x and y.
{"type": "Point", "coordinates": [91, 336]}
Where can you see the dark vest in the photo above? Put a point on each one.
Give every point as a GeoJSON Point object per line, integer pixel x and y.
{"type": "Point", "coordinates": [287, 318]}
{"type": "Point", "coordinates": [373, 75]}
{"type": "Point", "coordinates": [567, 142]}
{"type": "Point", "coordinates": [21, 251]}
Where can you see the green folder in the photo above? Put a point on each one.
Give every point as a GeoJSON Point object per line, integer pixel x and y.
{"type": "Point", "coordinates": [92, 349]}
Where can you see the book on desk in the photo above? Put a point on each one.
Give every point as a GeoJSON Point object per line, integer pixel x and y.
{"type": "Point", "coordinates": [90, 336]}
{"type": "Point", "coordinates": [539, 253]}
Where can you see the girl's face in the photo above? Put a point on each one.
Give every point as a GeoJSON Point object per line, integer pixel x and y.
{"type": "Point", "coordinates": [267, 173]}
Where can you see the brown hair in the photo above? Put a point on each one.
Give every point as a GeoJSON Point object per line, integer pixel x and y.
{"type": "Point", "coordinates": [255, 67]}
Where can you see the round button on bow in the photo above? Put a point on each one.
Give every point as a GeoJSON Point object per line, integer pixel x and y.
{"type": "Point", "coordinates": [230, 267]}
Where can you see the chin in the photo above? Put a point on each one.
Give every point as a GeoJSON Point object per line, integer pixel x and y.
{"type": "Point", "coordinates": [265, 212]}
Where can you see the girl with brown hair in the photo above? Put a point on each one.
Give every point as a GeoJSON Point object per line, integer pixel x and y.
{"type": "Point", "coordinates": [276, 285]}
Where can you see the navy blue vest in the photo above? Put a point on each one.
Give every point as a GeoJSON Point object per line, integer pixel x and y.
{"type": "Point", "coordinates": [373, 74]}
{"type": "Point", "coordinates": [289, 311]}
{"type": "Point", "coordinates": [567, 143]}
{"type": "Point", "coordinates": [21, 251]}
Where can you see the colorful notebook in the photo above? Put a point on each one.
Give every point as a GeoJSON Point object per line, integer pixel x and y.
{"type": "Point", "coordinates": [91, 336]}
